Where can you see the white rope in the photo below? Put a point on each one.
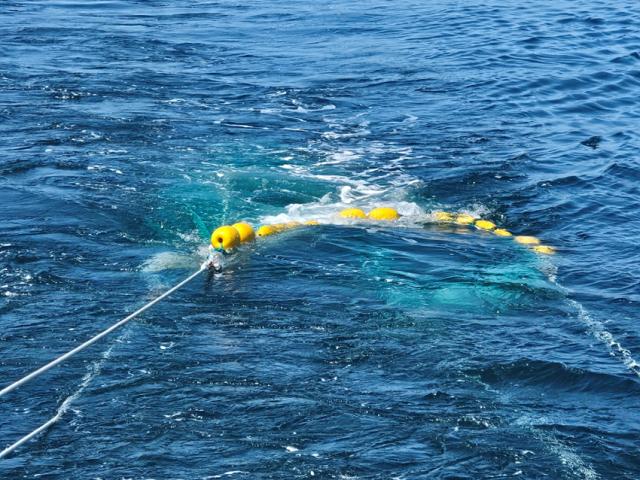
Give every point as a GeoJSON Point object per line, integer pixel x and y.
{"type": "Point", "coordinates": [26, 438]}
{"type": "Point", "coordinates": [79, 348]}
{"type": "Point", "coordinates": [94, 339]}
{"type": "Point", "coordinates": [94, 371]}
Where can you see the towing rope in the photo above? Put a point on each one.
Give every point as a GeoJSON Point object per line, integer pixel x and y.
{"type": "Point", "coordinates": [41, 428]}
{"type": "Point", "coordinates": [79, 348]}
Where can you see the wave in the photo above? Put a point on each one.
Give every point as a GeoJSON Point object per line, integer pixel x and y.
{"type": "Point", "coordinates": [526, 372]}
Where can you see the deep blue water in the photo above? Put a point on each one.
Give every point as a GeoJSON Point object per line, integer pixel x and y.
{"type": "Point", "coordinates": [128, 130]}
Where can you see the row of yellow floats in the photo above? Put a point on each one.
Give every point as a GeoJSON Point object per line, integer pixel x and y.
{"type": "Point", "coordinates": [228, 237]}
{"type": "Point", "coordinates": [481, 224]}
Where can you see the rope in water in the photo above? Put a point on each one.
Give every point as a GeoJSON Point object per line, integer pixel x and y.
{"type": "Point", "coordinates": [97, 337]}
{"type": "Point", "coordinates": [79, 348]}
{"type": "Point", "coordinates": [35, 432]}
{"type": "Point", "coordinates": [28, 437]}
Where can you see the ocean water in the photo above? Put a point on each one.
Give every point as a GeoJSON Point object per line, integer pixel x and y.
{"type": "Point", "coordinates": [129, 130]}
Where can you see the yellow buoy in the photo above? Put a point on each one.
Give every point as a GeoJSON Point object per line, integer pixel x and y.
{"type": "Point", "coordinates": [527, 240]}
{"type": "Point", "coordinates": [545, 249]}
{"type": "Point", "coordinates": [501, 232]}
{"type": "Point", "coordinates": [384, 213]}
{"type": "Point", "coordinates": [485, 225]}
{"type": "Point", "coordinates": [279, 227]}
{"type": "Point", "coordinates": [245, 231]}
{"type": "Point", "coordinates": [443, 216]}
{"type": "Point", "coordinates": [352, 213]}
{"type": "Point", "coordinates": [292, 224]}
{"type": "Point", "coordinates": [266, 230]}
{"type": "Point", "coordinates": [464, 219]}
{"type": "Point", "coordinates": [225, 238]}
{"type": "Point", "coordinates": [312, 222]}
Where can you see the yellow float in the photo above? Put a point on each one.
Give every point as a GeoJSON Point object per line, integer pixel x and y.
{"type": "Point", "coordinates": [225, 238]}
{"type": "Point", "coordinates": [384, 213]}
{"type": "Point", "coordinates": [501, 232]}
{"type": "Point", "coordinates": [245, 231]}
{"type": "Point", "coordinates": [545, 249]}
{"type": "Point", "coordinates": [352, 213]}
{"type": "Point", "coordinates": [443, 216]}
{"type": "Point", "coordinates": [464, 219]}
{"type": "Point", "coordinates": [485, 225]}
{"type": "Point", "coordinates": [266, 230]}
{"type": "Point", "coordinates": [526, 240]}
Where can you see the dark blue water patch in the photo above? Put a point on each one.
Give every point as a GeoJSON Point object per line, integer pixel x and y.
{"type": "Point", "coordinates": [527, 372]}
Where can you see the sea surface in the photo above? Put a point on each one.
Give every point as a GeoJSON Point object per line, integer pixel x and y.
{"type": "Point", "coordinates": [348, 350]}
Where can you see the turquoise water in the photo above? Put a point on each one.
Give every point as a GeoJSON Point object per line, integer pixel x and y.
{"type": "Point", "coordinates": [347, 350]}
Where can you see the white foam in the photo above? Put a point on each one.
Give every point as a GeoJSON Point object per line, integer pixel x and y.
{"type": "Point", "coordinates": [339, 136]}
{"type": "Point", "coordinates": [596, 327]}
{"type": "Point", "coordinates": [598, 330]}
{"type": "Point", "coordinates": [327, 209]}
{"type": "Point", "coordinates": [103, 168]}
{"type": "Point", "coordinates": [342, 156]}
{"type": "Point", "coordinates": [167, 260]}
{"type": "Point", "coordinates": [567, 455]}
{"type": "Point", "coordinates": [225, 474]}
